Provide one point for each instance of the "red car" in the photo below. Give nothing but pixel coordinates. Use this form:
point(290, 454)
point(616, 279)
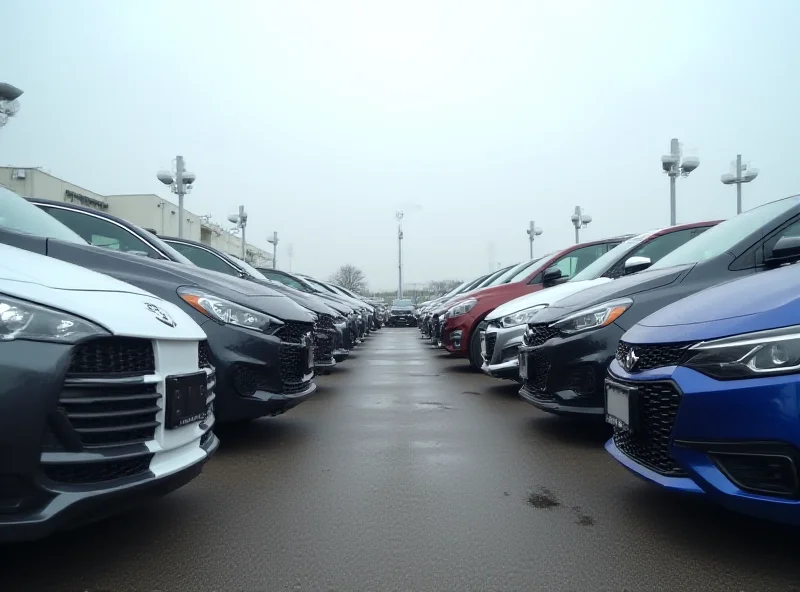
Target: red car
point(459, 332)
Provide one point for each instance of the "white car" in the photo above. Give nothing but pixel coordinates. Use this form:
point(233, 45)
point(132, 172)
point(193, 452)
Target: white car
point(504, 327)
point(105, 400)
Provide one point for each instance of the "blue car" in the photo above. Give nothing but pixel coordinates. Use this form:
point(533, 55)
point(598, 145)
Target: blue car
point(704, 395)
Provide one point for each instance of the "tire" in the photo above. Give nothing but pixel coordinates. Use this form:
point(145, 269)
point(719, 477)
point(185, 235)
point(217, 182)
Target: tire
point(475, 357)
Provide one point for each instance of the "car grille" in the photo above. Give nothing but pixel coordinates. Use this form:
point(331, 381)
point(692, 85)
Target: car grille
point(105, 412)
point(204, 355)
point(649, 443)
point(97, 472)
point(293, 332)
point(651, 356)
point(113, 356)
point(491, 340)
point(539, 334)
point(325, 321)
point(538, 369)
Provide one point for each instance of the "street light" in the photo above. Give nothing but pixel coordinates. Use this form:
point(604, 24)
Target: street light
point(9, 106)
point(674, 164)
point(579, 219)
point(240, 220)
point(741, 173)
point(399, 216)
point(274, 242)
point(179, 182)
point(533, 232)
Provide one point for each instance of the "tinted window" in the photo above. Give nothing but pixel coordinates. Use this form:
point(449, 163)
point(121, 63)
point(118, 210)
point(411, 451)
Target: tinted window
point(579, 259)
point(204, 259)
point(102, 233)
point(20, 215)
point(610, 260)
point(726, 235)
point(286, 280)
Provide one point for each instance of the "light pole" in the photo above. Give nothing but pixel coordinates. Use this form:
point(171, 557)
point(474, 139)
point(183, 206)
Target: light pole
point(240, 220)
point(742, 173)
point(9, 106)
point(274, 242)
point(179, 182)
point(399, 216)
point(674, 164)
point(533, 232)
point(579, 219)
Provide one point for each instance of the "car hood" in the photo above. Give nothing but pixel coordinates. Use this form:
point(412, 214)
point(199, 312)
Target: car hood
point(119, 307)
point(143, 271)
point(619, 288)
point(756, 302)
point(304, 299)
point(547, 297)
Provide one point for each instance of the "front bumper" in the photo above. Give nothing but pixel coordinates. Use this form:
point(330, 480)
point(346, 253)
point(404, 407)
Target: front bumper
point(79, 443)
point(258, 375)
point(565, 374)
point(456, 334)
point(402, 320)
point(501, 351)
point(745, 459)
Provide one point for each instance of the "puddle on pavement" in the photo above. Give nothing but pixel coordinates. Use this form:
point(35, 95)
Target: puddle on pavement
point(396, 362)
point(425, 444)
point(431, 405)
point(543, 499)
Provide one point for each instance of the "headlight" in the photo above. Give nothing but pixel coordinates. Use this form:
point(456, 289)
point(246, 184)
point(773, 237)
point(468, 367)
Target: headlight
point(521, 317)
point(23, 320)
point(225, 311)
point(751, 355)
point(462, 307)
point(594, 317)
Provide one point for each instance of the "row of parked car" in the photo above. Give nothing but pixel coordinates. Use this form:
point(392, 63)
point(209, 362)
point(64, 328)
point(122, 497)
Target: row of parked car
point(120, 350)
point(685, 339)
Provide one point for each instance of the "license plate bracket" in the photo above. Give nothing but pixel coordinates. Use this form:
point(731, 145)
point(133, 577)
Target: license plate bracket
point(622, 406)
point(186, 396)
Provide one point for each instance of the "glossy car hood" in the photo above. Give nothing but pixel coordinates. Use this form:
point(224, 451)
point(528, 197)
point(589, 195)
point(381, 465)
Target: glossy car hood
point(757, 302)
point(118, 307)
point(342, 307)
point(619, 288)
point(546, 297)
point(142, 271)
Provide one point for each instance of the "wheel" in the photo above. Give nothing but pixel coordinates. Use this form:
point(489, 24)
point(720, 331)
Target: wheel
point(475, 356)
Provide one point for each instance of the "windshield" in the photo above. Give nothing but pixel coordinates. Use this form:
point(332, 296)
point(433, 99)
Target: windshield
point(18, 214)
point(494, 278)
point(250, 269)
point(320, 285)
point(523, 270)
point(604, 263)
point(724, 236)
point(402, 303)
point(168, 249)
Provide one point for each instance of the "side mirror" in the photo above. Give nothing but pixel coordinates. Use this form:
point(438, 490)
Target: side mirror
point(635, 264)
point(551, 275)
point(786, 250)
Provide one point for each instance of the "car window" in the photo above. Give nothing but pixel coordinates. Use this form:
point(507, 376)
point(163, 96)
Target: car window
point(19, 215)
point(656, 249)
point(726, 235)
point(285, 280)
point(102, 233)
point(577, 260)
point(523, 270)
point(203, 258)
point(603, 265)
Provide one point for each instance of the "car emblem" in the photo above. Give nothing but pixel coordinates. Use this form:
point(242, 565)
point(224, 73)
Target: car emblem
point(630, 360)
point(160, 314)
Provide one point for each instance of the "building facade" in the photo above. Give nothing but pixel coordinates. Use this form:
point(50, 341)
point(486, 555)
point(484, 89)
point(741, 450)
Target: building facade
point(146, 210)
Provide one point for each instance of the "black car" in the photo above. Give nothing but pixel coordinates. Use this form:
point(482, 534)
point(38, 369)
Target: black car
point(208, 257)
point(401, 313)
point(363, 309)
point(569, 345)
point(349, 327)
point(259, 341)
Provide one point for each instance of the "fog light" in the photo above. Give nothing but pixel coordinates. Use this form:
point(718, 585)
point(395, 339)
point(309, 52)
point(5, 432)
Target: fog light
point(455, 338)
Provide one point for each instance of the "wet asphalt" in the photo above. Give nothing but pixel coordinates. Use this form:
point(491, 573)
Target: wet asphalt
point(407, 471)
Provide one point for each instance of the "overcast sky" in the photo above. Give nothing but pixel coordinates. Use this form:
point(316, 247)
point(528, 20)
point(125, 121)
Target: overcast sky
point(323, 118)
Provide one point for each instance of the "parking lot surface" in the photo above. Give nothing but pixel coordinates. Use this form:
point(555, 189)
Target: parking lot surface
point(407, 471)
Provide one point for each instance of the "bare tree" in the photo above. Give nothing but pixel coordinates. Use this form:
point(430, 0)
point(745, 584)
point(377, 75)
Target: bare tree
point(350, 277)
point(442, 286)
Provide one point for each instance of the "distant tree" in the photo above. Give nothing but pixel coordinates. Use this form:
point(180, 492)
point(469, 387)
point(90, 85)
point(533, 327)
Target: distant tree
point(442, 286)
point(350, 277)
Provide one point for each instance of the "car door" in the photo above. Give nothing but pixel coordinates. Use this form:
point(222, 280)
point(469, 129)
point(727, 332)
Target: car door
point(100, 232)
